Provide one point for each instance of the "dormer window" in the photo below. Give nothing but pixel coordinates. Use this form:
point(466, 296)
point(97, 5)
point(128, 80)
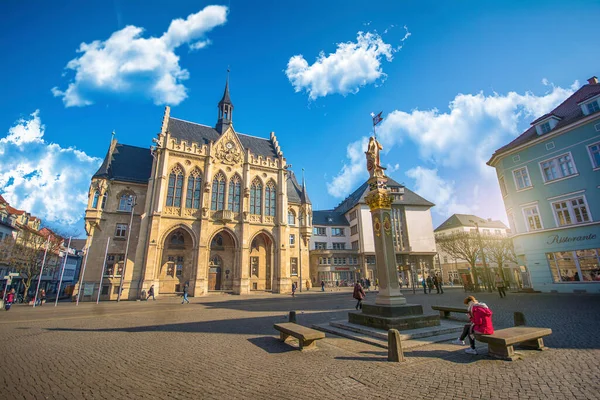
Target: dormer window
point(545, 127)
point(590, 105)
point(593, 107)
point(545, 124)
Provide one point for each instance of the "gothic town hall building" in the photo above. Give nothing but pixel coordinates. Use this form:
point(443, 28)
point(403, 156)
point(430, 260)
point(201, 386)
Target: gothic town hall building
point(205, 206)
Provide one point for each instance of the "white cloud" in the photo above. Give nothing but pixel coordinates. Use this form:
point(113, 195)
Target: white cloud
point(43, 178)
point(352, 66)
point(457, 143)
point(127, 63)
point(432, 187)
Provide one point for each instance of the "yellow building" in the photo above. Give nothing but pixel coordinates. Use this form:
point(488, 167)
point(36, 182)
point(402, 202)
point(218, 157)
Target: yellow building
point(214, 208)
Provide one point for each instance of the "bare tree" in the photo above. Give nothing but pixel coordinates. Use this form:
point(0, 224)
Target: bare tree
point(463, 246)
point(500, 250)
point(28, 253)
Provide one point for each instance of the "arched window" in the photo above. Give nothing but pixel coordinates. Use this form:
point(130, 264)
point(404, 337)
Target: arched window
point(270, 202)
point(177, 239)
point(175, 187)
point(104, 197)
point(125, 202)
point(218, 192)
point(192, 200)
point(291, 217)
point(256, 197)
point(217, 242)
point(235, 188)
point(95, 201)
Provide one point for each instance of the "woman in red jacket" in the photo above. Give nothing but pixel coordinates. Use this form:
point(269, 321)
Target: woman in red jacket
point(481, 323)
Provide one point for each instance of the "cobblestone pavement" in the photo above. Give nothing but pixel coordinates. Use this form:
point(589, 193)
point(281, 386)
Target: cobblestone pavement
point(224, 347)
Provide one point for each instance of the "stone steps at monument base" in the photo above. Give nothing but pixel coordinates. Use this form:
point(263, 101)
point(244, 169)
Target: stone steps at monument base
point(443, 328)
point(377, 341)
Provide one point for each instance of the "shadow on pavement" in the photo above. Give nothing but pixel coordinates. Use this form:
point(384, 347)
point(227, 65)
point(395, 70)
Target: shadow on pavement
point(271, 345)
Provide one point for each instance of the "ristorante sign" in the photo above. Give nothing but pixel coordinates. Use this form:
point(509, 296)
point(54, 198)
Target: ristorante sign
point(556, 239)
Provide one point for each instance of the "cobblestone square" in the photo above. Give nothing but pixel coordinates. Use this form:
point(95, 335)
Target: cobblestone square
point(225, 347)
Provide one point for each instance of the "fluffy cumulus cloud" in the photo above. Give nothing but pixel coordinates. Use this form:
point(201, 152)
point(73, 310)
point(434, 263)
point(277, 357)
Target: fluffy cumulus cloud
point(45, 179)
point(127, 63)
point(352, 66)
point(455, 145)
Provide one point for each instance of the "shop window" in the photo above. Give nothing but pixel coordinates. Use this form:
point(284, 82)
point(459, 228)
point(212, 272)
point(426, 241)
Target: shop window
point(575, 266)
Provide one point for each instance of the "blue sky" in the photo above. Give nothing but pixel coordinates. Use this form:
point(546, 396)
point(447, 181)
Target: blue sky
point(455, 80)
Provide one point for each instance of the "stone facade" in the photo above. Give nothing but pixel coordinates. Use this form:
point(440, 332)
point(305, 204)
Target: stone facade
point(211, 210)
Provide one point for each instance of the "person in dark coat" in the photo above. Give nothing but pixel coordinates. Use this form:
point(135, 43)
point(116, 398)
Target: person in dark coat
point(424, 283)
point(322, 286)
point(358, 294)
point(151, 293)
point(429, 283)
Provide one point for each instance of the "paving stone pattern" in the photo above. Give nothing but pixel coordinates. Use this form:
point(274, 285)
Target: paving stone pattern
point(225, 347)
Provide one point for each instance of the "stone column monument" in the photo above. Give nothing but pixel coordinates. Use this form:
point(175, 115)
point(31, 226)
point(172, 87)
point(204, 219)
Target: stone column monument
point(389, 310)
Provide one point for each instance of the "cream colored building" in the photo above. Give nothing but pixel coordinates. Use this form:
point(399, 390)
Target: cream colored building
point(343, 246)
point(457, 270)
point(214, 208)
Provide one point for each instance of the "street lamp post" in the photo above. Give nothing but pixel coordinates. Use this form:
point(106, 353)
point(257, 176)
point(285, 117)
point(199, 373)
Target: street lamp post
point(485, 266)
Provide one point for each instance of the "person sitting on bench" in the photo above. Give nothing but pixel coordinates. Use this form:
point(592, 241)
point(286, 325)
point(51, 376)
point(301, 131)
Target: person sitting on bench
point(481, 323)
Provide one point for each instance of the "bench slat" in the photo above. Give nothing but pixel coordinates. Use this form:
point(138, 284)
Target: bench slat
point(299, 331)
point(518, 334)
point(450, 309)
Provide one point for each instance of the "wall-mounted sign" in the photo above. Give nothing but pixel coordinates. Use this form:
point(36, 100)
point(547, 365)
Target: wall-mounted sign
point(556, 239)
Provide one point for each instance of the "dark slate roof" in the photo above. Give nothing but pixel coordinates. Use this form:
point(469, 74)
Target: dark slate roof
point(409, 198)
point(295, 191)
point(329, 218)
point(78, 244)
point(568, 111)
point(461, 220)
point(202, 134)
point(127, 164)
point(226, 99)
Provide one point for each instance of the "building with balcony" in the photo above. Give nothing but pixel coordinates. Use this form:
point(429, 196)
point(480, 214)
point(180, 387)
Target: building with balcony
point(207, 206)
point(342, 247)
point(549, 178)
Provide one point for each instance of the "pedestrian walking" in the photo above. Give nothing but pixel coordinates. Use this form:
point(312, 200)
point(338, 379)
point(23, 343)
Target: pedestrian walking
point(424, 283)
point(43, 297)
point(441, 284)
point(481, 323)
point(322, 286)
point(308, 285)
point(500, 286)
point(368, 283)
point(358, 294)
point(151, 293)
point(376, 283)
point(294, 289)
point(429, 283)
point(186, 288)
point(436, 284)
point(10, 299)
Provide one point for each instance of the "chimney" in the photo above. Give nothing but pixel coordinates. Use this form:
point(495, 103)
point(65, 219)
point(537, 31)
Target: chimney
point(593, 80)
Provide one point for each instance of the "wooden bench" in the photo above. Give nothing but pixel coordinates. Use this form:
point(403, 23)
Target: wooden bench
point(500, 344)
point(306, 336)
point(445, 310)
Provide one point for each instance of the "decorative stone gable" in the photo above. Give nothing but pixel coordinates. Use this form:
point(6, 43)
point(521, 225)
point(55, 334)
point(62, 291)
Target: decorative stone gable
point(228, 149)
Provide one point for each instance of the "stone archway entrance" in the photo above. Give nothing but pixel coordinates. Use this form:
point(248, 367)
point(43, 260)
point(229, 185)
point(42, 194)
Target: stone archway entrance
point(261, 263)
point(221, 262)
point(176, 262)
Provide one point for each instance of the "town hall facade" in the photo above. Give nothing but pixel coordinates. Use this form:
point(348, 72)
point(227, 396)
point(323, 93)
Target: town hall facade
point(204, 206)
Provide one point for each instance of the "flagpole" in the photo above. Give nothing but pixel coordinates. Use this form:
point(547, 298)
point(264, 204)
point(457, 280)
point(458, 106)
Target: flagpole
point(41, 271)
point(102, 272)
point(87, 251)
point(62, 272)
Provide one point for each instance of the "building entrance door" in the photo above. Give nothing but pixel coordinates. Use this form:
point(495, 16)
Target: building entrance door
point(214, 278)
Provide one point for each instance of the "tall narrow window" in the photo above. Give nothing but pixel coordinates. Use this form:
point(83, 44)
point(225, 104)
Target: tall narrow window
point(532, 218)
point(125, 203)
point(95, 201)
point(256, 197)
point(192, 199)
point(218, 192)
point(235, 188)
point(104, 197)
point(291, 217)
point(270, 199)
point(594, 150)
point(175, 187)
